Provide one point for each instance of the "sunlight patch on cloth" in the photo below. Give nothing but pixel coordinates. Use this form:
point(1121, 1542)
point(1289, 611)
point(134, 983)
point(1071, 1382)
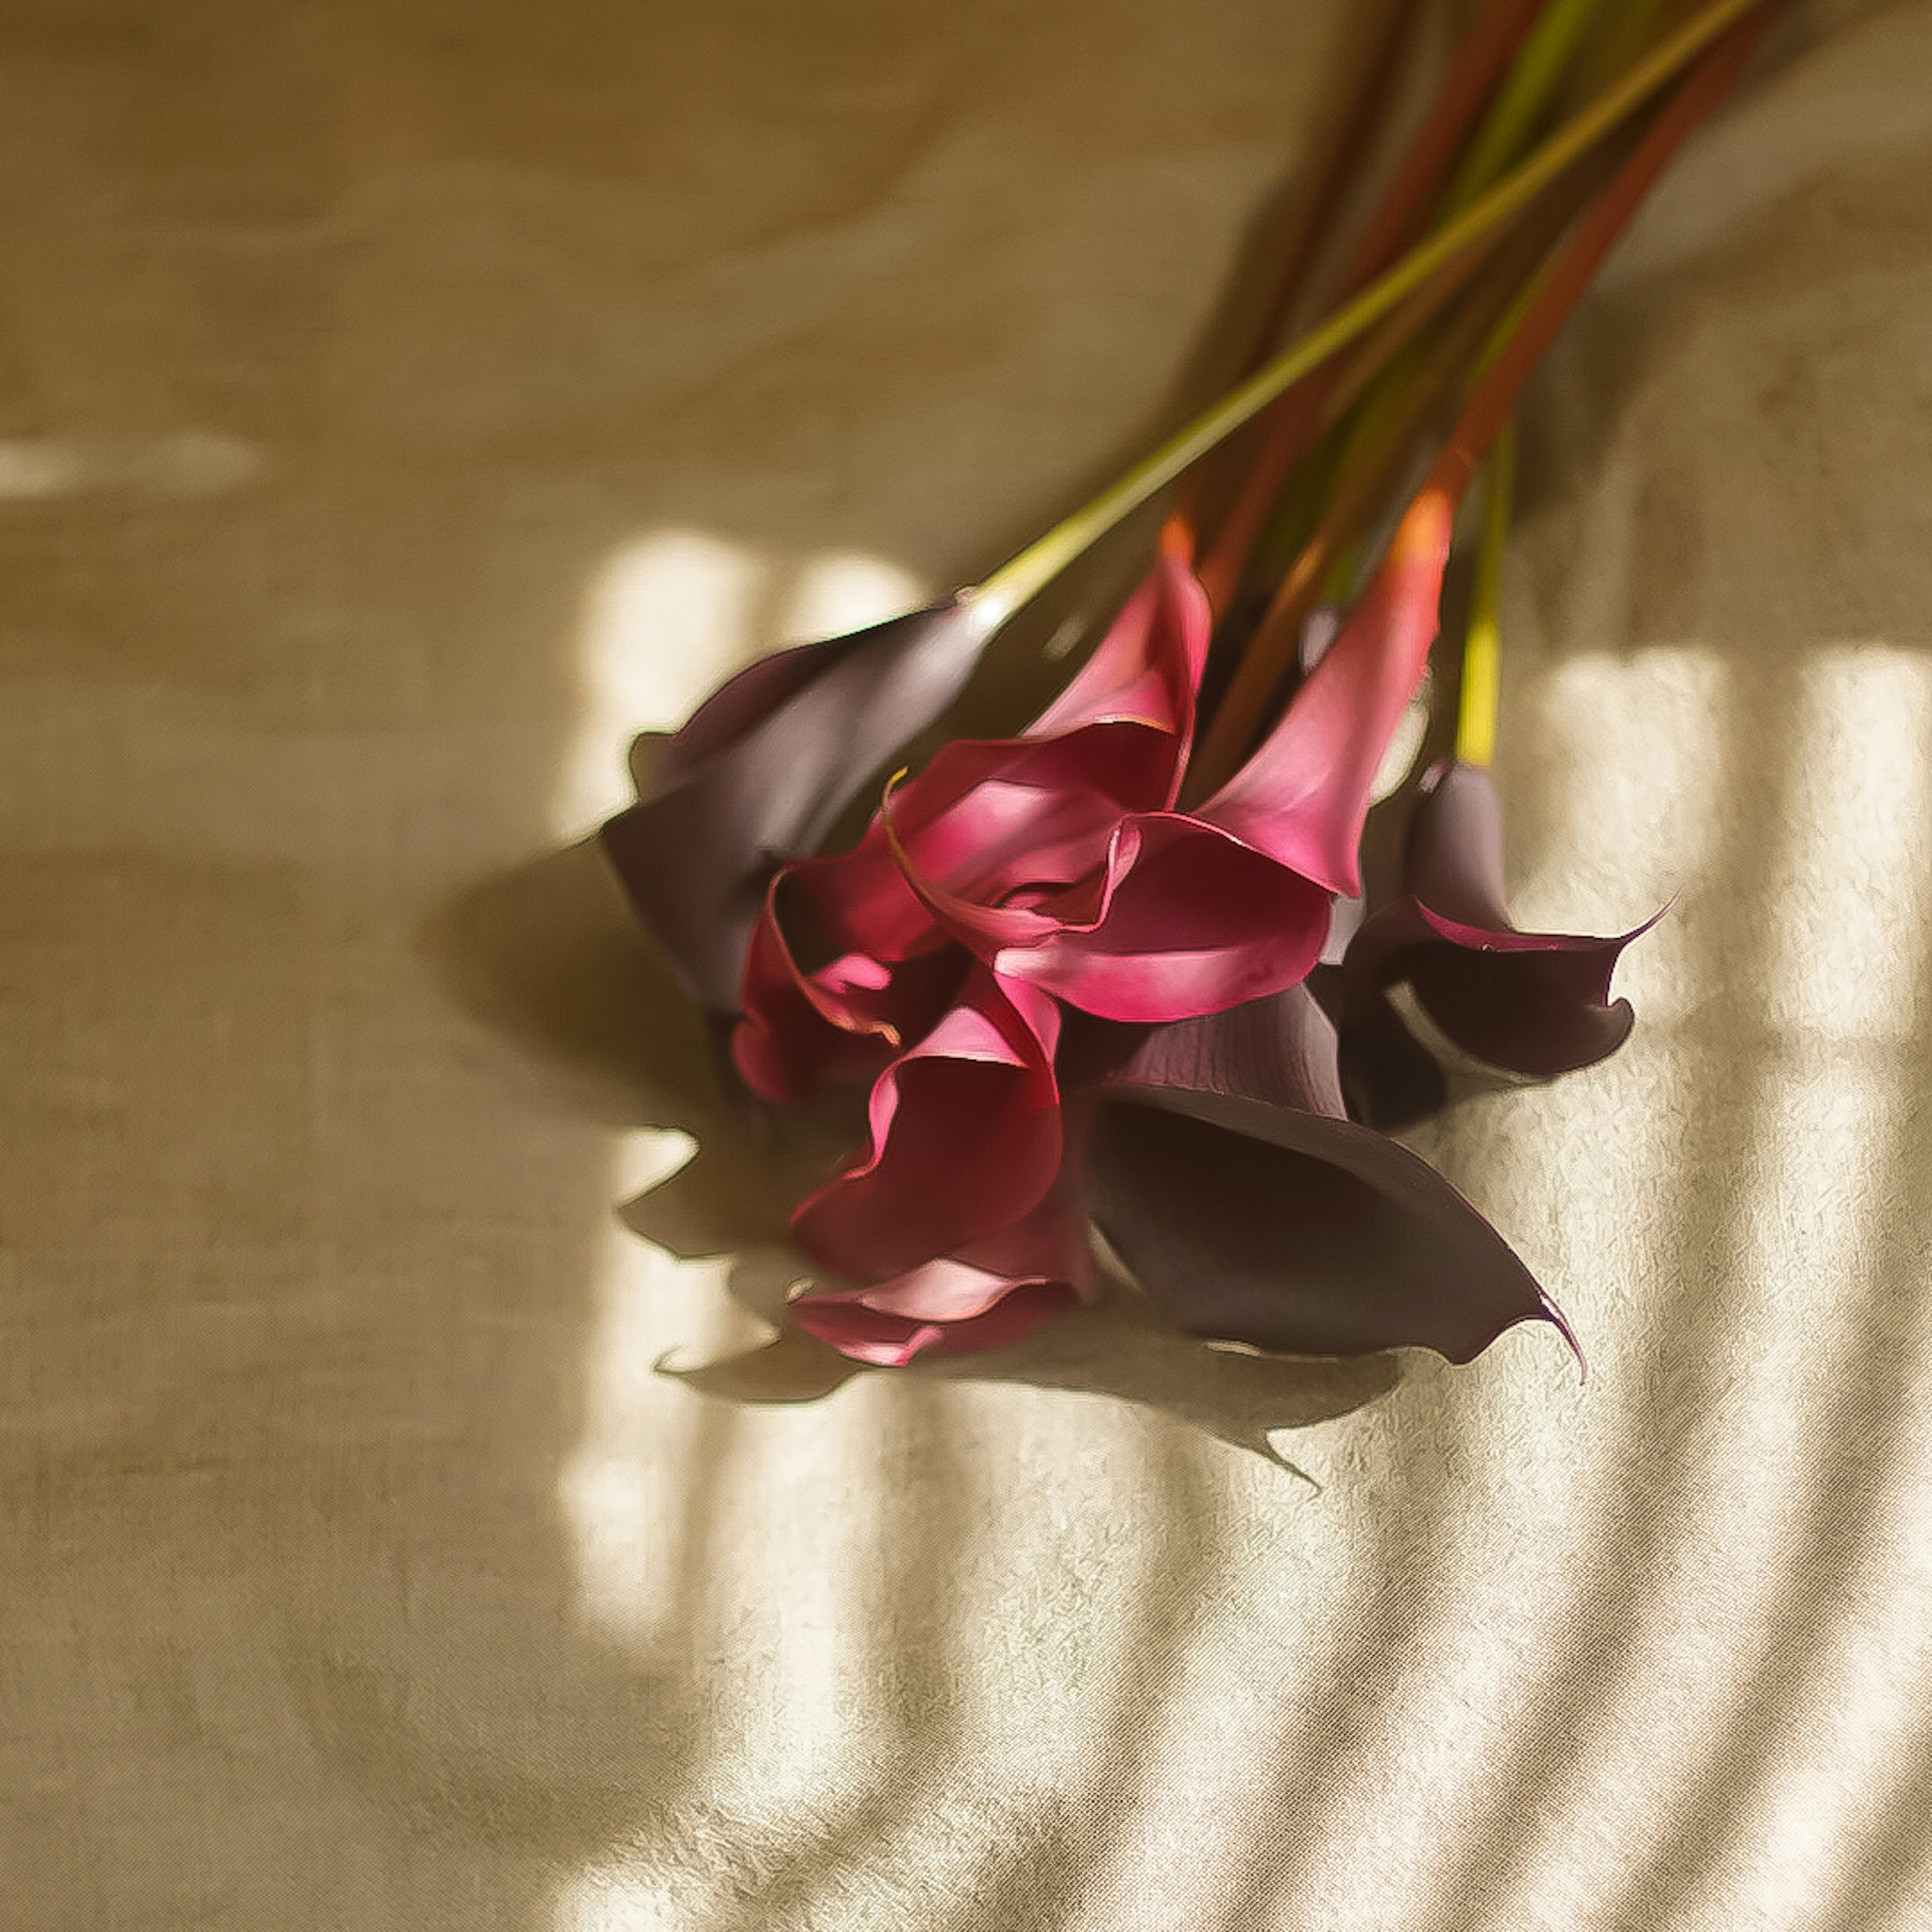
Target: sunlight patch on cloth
point(1705, 1617)
point(1642, 746)
point(1853, 895)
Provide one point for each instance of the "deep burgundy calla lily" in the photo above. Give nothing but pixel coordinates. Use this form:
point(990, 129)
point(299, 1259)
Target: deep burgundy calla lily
point(1536, 1004)
point(763, 769)
point(1223, 1171)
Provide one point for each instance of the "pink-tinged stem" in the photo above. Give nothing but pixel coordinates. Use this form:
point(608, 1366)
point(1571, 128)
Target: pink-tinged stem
point(1489, 408)
point(1343, 142)
point(1371, 472)
point(1298, 417)
point(1480, 62)
point(1240, 715)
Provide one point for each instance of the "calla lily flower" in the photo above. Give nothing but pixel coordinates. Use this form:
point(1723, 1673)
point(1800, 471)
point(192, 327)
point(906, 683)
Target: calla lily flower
point(849, 964)
point(1058, 860)
point(957, 1216)
point(1536, 1004)
point(1176, 914)
point(990, 1292)
point(965, 1139)
point(1224, 1171)
point(761, 771)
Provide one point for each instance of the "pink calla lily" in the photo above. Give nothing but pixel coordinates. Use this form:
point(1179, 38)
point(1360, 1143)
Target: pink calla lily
point(965, 1140)
point(1178, 914)
point(989, 1292)
point(841, 965)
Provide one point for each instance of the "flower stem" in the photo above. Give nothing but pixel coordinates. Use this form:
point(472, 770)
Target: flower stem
point(1239, 716)
point(1024, 576)
point(1476, 701)
point(1558, 289)
point(1338, 152)
point(1539, 68)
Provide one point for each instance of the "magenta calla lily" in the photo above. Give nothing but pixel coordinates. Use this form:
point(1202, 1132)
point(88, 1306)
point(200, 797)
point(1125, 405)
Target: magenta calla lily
point(843, 963)
point(989, 1291)
point(1178, 914)
point(965, 1140)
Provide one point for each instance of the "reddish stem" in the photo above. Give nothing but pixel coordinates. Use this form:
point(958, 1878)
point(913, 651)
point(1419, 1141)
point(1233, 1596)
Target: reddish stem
point(1403, 213)
point(1495, 396)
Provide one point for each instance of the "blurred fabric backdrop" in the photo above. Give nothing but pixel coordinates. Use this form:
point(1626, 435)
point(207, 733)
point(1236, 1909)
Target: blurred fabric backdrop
point(401, 406)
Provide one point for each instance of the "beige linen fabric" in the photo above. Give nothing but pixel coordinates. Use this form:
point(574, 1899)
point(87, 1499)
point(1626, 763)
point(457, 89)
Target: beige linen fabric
point(401, 404)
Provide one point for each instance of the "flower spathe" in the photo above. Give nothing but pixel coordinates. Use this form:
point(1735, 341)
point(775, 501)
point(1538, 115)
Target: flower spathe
point(763, 769)
point(1178, 913)
point(1011, 876)
point(1226, 1174)
point(1532, 1003)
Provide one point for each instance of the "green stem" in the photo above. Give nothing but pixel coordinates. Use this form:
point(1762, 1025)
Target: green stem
point(1476, 702)
point(1017, 581)
point(1532, 80)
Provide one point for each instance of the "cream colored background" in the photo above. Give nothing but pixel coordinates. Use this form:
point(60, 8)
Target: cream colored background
point(401, 404)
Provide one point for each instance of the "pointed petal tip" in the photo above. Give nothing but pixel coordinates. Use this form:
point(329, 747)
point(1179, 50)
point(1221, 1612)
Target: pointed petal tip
point(1557, 1320)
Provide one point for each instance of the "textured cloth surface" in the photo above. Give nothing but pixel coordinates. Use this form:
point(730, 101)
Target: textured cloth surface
point(402, 404)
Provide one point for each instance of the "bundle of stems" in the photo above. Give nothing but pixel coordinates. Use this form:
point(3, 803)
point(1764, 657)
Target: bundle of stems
point(1553, 121)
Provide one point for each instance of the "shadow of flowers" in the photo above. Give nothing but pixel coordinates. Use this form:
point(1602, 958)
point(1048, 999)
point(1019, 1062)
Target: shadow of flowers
point(547, 954)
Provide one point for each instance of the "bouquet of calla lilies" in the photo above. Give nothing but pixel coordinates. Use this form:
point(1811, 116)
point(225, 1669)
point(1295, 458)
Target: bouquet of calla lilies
point(1113, 975)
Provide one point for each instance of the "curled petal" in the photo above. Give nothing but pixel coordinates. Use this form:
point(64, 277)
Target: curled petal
point(1180, 919)
point(1303, 796)
point(1537, 1003)
point(846, 1019)
point(944, 1307)
point(881, 973)
point(965, 1140)
point(1533, 1003)
point(992, 1291)
point(761, 772)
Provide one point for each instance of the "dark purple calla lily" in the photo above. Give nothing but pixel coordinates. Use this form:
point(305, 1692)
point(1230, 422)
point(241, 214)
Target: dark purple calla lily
point(761, 772)
point(1536, 1004)
point(1223, 1171)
